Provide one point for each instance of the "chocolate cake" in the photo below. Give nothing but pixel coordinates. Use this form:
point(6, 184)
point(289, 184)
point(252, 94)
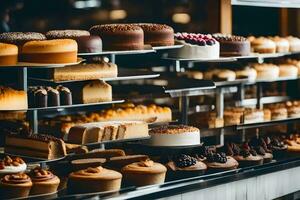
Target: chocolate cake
point(65, 95)
point(232, 45)
point(120, 36)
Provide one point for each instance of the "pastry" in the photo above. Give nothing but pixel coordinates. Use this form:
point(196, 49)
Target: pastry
point(20, 38)
point(118, 162)
point(85, 134)
point(50, 51)
point(65, 95)
point(262, 45)
point(232, 45)
point(192, 74)
point(295, 63)
point(12, 165)
point(53, 97)
point(35, 145)
point(40, 98)
point(8, 54)
point(266, 71)
point(294, 44)
point(15, 186)
point(86, 163)
point(252, 115)
point(267, 114)
point(288, 71)
point(98, 179)
point(293, 109)
point(86, 43)
point(206, 120)
point(278, 111)
point(43, 181)
point(89, 71)
point(244, 155)
point(174, 135)
point(246, 73)
point(185, 166)
point(196, 46)
point(93, 92)
point(11, 99)
point(144, 173)
point(220, 162)
point(233, 116)
point(220, 75)
point(260, 146)
point(282, 44)
point(157, 34)
point(119, 36)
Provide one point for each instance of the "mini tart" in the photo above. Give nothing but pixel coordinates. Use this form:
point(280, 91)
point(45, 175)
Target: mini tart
point(50, 51)
point(144, 173)
point(157, 34)
point(97, 179)
point(15, 186)
point(217, 166)
point(8, 54)
point(12, 166)
point(44, 182)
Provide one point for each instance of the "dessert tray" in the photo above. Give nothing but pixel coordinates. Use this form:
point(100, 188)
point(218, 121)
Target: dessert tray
point(42, 65)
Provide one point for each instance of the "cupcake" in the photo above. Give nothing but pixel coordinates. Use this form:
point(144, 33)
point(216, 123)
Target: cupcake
point(244, 155)
point(15, 186)
point(144, 173)
point(12, 165)
point(217, 162)
point(259, 145)
point(183, 166)
point(44, 182)
point(97, 179)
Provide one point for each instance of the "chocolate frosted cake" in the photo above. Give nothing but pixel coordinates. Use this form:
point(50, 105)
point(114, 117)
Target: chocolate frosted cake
point(65, 95)
point(157, 34)
point(120, 36)
point(53, 97)
point(232, 45)
point(20, 38)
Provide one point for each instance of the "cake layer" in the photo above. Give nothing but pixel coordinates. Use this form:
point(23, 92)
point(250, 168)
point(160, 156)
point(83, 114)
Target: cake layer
point(62, 57)
point(11, 99)
point(50, 46)
point(8, 49)
point(8, 59)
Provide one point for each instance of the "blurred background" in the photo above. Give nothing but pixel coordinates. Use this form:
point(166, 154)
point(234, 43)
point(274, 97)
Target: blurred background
point(205, 16)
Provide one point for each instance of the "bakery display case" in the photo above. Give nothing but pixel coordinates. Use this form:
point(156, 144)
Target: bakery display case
point(216, 114)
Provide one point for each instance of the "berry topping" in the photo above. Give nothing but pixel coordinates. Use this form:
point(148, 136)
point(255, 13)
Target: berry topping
point(217, 157)
point(185, 161)
point(196, 39)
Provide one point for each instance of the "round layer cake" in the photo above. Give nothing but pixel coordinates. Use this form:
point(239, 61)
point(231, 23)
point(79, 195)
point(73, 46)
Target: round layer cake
point(288, 71)
point(120, 36)
point(294, 43)
point(20, 38)
point(175, 135)
point(8, 54)
point(86, 43)
point(232, 45)
point(196, 46)
point(262, 45)
point(282, 44)
point(266, 71)
point(50, 51)
point(157, 34)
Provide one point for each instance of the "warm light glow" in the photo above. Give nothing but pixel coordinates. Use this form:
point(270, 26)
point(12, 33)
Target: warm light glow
point(181, 18)
point(117, 14)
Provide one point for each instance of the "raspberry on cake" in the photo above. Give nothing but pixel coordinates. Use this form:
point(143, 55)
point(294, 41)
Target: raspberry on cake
point(196, 46)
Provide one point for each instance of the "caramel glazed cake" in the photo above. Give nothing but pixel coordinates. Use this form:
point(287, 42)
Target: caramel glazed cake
point(174, 135)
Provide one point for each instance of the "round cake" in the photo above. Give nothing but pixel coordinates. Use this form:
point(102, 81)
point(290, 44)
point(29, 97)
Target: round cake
point(262, 45)
point(253, 115)
point(278, 111)
point(175, 135)
point(97, 179)
point(288, 71)
point(117, 37)
point(266, 71)
point(217, 162)
point(157, 34)
point(12, 165)
point(144, 173)
point(294, 43)
point(246, 73)
point(232, 45)
point(282, 44)
point(8, 54)
point(293, 109)
point(86, 43)
point(20, 38)
point(15, 186)
point(196, 46)
point(44, 181)
point(50, 51)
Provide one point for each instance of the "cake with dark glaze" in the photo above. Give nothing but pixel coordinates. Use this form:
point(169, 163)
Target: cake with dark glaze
point(65, 95)
point(53, 97)
point(232, 45)
point(86, 43)
point(157, 34)
point(120, 36)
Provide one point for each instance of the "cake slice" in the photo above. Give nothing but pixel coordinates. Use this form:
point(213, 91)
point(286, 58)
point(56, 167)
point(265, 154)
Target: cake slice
point(35, 145)
point(84, 134)
point(132, 129)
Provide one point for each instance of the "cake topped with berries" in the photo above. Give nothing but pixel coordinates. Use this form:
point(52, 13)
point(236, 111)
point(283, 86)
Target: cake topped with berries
point(196, 46)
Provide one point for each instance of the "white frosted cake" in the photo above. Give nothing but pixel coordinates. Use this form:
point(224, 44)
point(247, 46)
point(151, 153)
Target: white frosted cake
point(174, 135)
point(196, 46)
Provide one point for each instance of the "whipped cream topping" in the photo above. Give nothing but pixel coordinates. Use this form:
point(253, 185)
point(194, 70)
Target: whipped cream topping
point(12, 165)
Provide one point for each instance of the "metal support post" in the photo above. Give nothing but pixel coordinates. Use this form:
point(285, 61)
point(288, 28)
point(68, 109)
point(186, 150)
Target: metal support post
point(184, 108)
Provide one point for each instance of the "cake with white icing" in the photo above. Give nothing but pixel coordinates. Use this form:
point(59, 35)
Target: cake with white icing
point(12, 165)
point(174, 135)
point(196, 46)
